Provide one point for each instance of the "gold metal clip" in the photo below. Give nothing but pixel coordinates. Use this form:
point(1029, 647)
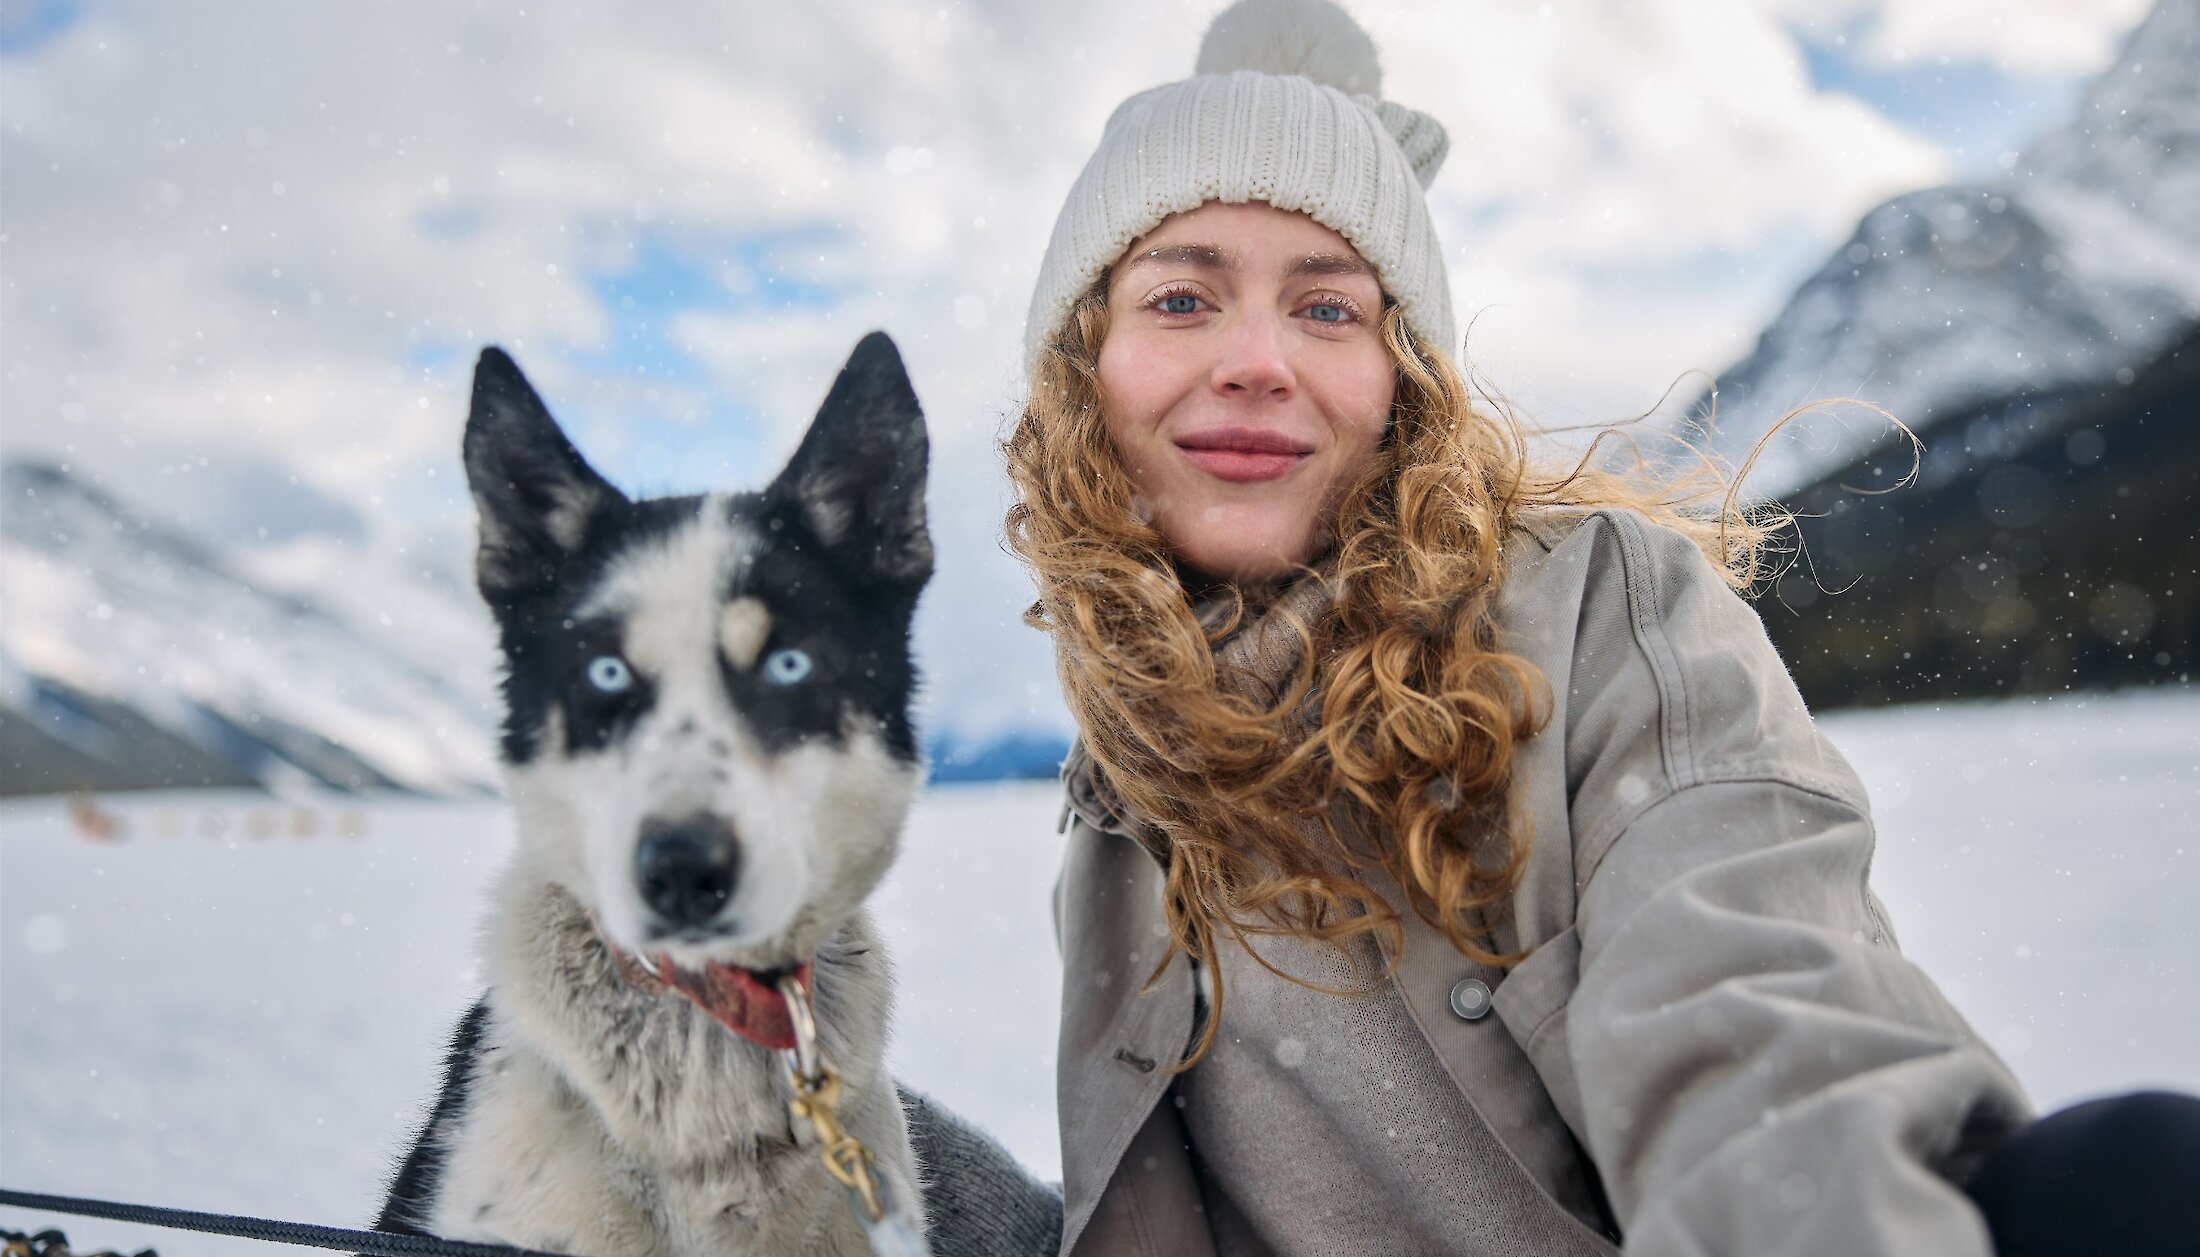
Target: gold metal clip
point(817, 1102)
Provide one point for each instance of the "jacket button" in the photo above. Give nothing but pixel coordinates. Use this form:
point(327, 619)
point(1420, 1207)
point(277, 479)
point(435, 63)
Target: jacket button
point(1143, 1064)
point(1470, 998)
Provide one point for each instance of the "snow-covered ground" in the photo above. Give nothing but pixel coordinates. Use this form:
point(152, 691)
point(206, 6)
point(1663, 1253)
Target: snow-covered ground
point(238, 1004)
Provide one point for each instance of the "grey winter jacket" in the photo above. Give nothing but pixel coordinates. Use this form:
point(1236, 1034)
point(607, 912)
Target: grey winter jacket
point(1714, 1043)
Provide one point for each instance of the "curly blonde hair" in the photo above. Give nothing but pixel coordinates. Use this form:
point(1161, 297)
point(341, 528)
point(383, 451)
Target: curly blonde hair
point(1398, 728)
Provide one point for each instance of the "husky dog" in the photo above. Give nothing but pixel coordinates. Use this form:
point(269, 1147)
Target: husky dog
point(708, 750)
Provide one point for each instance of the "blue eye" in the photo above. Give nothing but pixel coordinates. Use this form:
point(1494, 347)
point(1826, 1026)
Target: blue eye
point(1326, 312)
point(786, 666)
point(610, 675)
point(1180, 303)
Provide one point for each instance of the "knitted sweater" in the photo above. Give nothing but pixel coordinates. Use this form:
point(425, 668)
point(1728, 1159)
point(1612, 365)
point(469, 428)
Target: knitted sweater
point(977, 1201)
point(1323, 1124)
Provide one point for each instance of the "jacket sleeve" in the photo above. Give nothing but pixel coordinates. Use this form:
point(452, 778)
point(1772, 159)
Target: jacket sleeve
point(1761, 1071)
point(978, 1201)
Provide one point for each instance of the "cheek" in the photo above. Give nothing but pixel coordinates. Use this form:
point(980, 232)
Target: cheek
point(1140, 383)
point(1362, 410)
point(1118, 388)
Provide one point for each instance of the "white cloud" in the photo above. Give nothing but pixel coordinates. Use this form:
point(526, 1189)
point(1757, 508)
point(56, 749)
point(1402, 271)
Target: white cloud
point(273, 234)
point(2041, 37)
point(1631, 190)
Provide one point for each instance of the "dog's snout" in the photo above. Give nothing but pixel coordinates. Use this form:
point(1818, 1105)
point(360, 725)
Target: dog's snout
point(687, 869)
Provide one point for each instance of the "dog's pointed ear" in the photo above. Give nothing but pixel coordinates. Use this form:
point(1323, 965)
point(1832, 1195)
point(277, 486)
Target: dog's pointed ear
point(533, 490)
point(857, 479)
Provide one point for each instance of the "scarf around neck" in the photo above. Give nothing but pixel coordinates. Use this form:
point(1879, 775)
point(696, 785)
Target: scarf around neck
point(1256, 661)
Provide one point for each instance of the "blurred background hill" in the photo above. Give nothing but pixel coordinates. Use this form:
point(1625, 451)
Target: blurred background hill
point(2064, 274)
point(134, 655)
point(2040, 331)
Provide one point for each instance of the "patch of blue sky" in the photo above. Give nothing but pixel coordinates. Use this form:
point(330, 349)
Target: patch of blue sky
point(1483, 215)
point(683, 428)
point(449, 222)
point(647, 413)
point(28, 25)
point(1976, 111)
point(436, 357)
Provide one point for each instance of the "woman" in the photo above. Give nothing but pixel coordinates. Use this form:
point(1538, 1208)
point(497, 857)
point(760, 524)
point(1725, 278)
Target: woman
point(1454, 867)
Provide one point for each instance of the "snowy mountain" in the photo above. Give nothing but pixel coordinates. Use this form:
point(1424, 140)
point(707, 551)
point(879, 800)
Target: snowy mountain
point(2073, 270)
point(132, 655)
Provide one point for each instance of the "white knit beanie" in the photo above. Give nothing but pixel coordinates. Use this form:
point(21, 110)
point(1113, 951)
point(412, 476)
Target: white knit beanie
point(1285, 108)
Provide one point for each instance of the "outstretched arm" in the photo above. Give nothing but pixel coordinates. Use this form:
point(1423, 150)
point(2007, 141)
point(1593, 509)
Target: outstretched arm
point(1761, 1071)
point(978, 1201)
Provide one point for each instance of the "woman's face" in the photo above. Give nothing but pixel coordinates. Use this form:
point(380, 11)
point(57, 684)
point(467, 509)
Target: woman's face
point(1245, 381)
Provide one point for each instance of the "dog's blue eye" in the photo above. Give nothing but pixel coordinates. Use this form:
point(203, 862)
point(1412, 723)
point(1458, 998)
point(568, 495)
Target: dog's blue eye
point(610, 674)
point(786, 666)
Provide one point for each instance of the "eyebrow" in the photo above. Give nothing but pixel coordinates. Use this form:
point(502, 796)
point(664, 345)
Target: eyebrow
point(1331, 264)
point(1205, 257)
point(1209, 257)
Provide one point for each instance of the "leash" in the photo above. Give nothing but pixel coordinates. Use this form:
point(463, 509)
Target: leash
point(890, 1227)
point(371, 1243)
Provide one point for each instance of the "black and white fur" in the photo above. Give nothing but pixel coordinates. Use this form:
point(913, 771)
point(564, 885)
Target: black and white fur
point(580, 1114)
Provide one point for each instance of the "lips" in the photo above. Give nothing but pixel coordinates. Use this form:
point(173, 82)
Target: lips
point(1243, 454)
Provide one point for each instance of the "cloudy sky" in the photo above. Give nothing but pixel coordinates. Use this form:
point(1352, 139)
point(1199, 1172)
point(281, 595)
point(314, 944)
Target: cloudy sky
point(249, 250)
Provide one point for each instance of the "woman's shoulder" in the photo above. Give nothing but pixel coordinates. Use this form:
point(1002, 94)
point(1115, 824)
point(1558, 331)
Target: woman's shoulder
point(1572, 553)
point(1653, 651)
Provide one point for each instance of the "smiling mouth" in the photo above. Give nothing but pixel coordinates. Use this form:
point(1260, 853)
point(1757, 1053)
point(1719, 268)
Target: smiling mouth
point(1243, 454)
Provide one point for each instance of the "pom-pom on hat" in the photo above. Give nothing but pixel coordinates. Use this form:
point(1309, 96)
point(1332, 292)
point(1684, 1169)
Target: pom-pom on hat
point(1285, 107)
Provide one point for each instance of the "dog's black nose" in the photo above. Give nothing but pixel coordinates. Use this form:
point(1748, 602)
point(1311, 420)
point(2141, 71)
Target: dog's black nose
point(687, 869)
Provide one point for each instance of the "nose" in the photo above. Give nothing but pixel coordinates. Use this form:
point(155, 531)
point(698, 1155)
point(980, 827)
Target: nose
point(687, 869)
point(1253, 363)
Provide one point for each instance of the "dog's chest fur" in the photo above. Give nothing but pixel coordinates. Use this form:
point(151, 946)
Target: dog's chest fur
point(601, 1120)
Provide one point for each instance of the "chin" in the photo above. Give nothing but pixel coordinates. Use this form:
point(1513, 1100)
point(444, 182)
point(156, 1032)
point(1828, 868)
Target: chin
point(1247, 565)
point(1242, 542)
